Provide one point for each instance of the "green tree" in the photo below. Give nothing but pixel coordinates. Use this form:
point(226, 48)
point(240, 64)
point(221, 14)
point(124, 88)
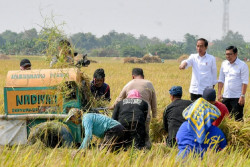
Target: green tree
point(236, 39)
point(104, 52)
point(28, 34)
point(190, 43)
point(85, 41)
point(132, 51)
point(9, 36)
point(2, 41)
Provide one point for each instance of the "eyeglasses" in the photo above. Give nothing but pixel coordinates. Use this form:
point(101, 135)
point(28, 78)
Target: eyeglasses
point(229, 54)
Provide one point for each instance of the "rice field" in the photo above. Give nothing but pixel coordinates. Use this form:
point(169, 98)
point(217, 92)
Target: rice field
point(163, 76)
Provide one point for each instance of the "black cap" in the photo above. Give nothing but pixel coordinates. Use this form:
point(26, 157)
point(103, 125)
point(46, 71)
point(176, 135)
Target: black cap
point(25, 62)
point(209, 94)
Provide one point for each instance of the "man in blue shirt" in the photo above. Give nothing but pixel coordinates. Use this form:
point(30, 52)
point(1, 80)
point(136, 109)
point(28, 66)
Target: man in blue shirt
point(99, 125)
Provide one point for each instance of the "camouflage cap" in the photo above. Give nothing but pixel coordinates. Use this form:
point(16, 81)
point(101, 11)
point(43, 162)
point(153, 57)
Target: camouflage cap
point(176, 91)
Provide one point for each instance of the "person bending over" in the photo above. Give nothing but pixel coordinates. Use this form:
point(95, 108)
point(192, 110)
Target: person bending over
point(99, 125)
point(132, 112)
point(197, 133)
point(147, 92)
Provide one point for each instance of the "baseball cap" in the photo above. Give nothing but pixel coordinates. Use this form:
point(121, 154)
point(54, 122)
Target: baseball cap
point(25, 62)
point(176, 91)
point(209, 94)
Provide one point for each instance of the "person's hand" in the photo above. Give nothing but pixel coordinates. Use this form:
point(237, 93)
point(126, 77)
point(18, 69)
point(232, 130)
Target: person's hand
point(110, 108)
point(220, 98)
point(241, 101)
point(183, 66)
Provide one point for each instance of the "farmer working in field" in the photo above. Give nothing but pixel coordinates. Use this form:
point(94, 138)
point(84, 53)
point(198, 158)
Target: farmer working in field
point(209, 94)
point(204, 71)
point(99, 125)
point(132, 112)
point(25, 64)
point(147, 93)
point(65, 56)
point(172, 116)
point(99, 88)
point(197, 133)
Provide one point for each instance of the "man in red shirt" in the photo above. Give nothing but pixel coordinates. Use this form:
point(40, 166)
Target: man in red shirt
point(209, 94)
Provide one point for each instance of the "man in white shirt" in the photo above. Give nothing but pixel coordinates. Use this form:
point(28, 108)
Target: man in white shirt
point(204, 70)
point(234, 74)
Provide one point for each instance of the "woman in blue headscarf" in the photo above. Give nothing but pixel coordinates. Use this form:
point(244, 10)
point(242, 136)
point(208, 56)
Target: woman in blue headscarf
point(197, 133)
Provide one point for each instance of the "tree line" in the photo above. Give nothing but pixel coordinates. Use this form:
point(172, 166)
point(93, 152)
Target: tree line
point(116, 44)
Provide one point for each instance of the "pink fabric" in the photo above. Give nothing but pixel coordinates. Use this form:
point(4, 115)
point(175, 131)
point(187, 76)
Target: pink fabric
point(133, 94)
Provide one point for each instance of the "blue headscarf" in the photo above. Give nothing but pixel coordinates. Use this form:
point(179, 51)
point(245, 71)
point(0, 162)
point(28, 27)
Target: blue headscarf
point(200, 116)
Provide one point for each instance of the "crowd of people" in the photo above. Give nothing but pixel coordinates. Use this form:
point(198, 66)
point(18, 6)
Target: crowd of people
point(192, 125)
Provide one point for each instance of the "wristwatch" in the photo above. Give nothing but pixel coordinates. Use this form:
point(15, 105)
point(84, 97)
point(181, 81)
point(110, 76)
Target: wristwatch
point(242, 96)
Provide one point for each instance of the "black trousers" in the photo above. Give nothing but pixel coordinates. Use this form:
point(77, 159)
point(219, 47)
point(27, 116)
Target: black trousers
point(135, 132)
point(170, 142)
point(234, 108)
point(194, 96)
point(114, 137)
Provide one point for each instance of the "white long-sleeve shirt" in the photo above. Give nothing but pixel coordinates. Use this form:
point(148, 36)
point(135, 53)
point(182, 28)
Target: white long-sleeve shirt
point(204, 72)
point(233, 76)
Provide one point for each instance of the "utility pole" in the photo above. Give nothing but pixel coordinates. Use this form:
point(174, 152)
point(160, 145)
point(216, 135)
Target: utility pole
point(225, 25)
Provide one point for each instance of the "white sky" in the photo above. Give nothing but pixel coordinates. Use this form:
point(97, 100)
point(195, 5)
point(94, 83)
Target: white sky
point(160, 18)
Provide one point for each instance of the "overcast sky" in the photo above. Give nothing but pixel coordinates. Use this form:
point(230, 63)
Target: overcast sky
point(154, 18)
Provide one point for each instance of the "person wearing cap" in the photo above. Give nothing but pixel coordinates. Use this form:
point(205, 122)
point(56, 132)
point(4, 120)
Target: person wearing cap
point(99, 88)
point(65, 56)
point(172, 116)
point(234, 77)
point(147, 92)
point(197, 134)
point(132, 112)
point(204, 70)
point(209, 94)
point(25, 64)
point(99, 125)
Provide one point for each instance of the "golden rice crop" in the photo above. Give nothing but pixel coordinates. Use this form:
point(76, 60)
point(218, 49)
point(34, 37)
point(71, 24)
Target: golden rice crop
point(237, 133)
point(163, 76)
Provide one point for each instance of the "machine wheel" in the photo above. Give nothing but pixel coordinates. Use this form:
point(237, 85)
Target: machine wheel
point(52, 134)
